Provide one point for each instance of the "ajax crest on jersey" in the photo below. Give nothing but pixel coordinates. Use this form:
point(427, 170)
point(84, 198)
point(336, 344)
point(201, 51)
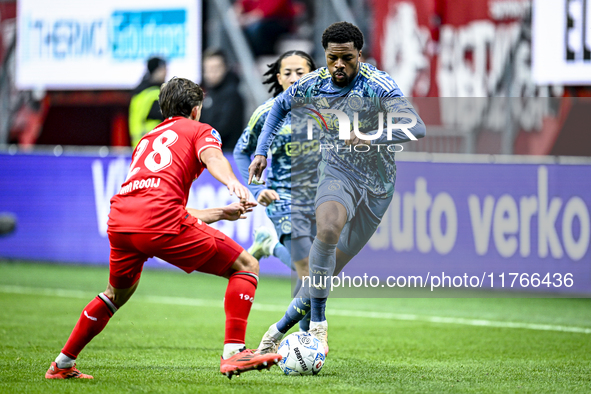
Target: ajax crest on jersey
point(285, 224)
point(216, 135)
point(334, 185)
point(355, 103)
point(302, 354)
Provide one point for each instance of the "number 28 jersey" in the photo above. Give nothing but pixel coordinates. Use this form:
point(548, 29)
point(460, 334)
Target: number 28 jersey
point(164, 165)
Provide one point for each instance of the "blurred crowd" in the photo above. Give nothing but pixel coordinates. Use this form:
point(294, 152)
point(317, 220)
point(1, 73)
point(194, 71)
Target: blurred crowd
point(432, 48)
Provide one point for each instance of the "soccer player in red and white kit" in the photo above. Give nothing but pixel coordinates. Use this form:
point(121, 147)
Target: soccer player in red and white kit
point(148, 218)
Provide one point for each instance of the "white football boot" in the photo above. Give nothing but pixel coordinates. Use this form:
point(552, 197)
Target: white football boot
point(270, 341)
point(264, 243)
point(320, 331)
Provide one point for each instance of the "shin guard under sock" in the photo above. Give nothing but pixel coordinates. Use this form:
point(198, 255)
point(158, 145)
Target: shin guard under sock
point(237, 303)
point(297, 310)
point(322, 265)
point(93, 319)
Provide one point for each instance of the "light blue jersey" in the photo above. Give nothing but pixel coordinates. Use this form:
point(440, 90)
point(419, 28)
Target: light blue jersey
point(374, 170)
point(279, 177)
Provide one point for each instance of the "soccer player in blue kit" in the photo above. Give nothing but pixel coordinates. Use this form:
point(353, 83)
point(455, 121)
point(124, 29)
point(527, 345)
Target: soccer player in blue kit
point(293, 227)
point(354, 190)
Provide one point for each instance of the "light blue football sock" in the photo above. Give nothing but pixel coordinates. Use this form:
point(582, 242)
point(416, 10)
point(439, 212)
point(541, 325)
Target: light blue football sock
point(305, 323)
point(283, 251)
point(322, 265)
point(298, 308)
point(318, 305)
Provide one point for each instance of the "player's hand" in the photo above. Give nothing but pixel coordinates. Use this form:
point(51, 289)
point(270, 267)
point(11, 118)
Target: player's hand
point(267, 196)
point(237, 210)
point(255, 170)
point(237, 188)
point(354, 140)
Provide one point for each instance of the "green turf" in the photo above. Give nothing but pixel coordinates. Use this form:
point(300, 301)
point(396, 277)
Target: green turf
point(168, 338)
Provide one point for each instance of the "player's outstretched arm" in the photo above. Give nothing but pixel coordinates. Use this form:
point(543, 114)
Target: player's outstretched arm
point(234, 211)
point(256, 168)
point(221, 170)
point(242, 159)
point(267, 196)
point(279, 110)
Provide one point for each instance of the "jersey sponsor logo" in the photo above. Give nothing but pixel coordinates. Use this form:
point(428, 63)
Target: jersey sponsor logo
point(217, 135)
point(207, 139)
point(296, 148)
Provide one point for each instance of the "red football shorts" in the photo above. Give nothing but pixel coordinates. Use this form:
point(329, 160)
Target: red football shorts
point(198, 247)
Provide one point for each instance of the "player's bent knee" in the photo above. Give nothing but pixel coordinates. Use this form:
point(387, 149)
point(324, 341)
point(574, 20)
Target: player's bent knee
point(120, 296)
point(245, 262)
point(329, 233)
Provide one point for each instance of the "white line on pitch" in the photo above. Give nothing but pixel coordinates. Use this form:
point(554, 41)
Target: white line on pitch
point(281, 308)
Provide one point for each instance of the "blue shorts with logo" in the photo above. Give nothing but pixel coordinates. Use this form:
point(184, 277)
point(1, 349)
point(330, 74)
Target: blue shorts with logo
point(364, 211)
point(299, 224)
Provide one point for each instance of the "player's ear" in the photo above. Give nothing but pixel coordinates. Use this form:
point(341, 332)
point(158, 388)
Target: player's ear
point(359, 55)
point(196, 112)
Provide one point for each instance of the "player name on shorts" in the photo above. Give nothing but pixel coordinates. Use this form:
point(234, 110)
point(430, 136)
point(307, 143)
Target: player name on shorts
point(143, 184)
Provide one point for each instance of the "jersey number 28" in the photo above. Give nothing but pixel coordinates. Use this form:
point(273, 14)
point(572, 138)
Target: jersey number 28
point(159, 148)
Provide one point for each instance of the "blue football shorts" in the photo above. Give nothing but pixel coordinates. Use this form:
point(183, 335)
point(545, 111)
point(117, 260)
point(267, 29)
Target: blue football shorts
point(364, 211)
point(299, 224)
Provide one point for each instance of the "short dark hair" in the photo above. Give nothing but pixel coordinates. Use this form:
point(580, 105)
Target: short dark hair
point(179, 96)
point(342, 33)
point(215, 52)
point(275, 68)
point(154, 63)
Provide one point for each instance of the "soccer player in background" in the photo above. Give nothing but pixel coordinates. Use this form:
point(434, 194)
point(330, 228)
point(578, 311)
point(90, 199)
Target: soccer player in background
point(149, 218)
point(353, 194)
point(293, 228)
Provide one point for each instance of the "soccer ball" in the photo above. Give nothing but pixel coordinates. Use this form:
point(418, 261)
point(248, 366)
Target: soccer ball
point(302, 354)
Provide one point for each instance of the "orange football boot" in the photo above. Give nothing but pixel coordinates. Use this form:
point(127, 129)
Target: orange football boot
point(247, 360)
point(65, 373)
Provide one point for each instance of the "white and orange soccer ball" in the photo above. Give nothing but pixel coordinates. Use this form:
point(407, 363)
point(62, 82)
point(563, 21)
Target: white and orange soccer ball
point(302, 354)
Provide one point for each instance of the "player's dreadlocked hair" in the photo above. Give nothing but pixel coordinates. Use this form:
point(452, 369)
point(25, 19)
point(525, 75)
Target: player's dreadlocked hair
point(342, 33)
point(275, 68)
point(178, 97)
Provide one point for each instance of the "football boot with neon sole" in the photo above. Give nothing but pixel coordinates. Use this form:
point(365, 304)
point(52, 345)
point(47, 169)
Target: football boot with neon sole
point(65, 373)
point(263, 244)
point(247, 360)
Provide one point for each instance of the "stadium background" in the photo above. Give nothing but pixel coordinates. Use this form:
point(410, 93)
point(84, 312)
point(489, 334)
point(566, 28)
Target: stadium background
point(503, 86)
point(472, 68)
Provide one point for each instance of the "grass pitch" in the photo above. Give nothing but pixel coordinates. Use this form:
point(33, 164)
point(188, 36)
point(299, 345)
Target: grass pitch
point(168, 339)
